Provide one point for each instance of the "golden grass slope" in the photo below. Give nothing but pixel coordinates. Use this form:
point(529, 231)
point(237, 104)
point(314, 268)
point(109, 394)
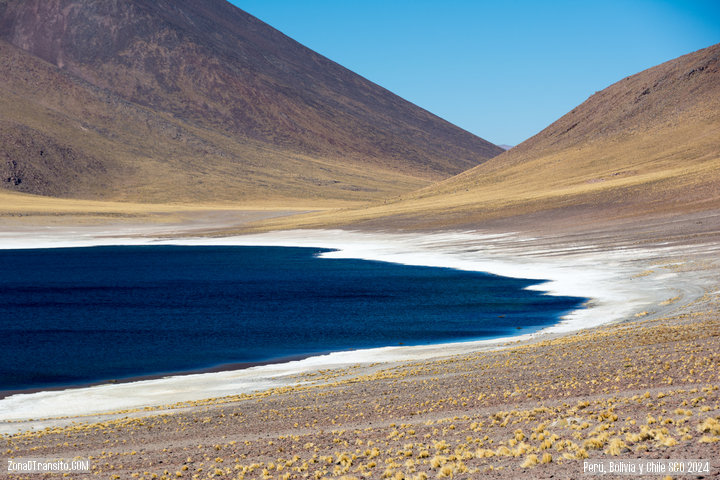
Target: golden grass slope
point(648, 144)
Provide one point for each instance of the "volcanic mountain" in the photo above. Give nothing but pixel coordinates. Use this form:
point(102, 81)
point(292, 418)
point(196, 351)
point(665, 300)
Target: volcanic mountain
point(185, 101)
point(647, 146)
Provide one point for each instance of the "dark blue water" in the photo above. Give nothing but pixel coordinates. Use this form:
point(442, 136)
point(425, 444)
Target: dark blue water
point(78, 315)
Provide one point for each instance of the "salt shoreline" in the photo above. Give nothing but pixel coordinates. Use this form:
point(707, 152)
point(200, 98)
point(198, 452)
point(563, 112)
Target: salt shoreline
point(613, 279)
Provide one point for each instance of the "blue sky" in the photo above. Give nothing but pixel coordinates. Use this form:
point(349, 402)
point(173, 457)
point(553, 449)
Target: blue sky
point(502, 70)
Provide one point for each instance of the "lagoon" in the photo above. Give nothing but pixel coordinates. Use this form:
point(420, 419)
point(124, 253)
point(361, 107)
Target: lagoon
point(72, 316)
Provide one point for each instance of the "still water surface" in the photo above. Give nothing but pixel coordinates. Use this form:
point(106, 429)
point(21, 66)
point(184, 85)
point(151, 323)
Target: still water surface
point(70, 316)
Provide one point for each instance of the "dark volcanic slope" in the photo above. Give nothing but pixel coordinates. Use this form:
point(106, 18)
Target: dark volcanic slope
point(179, 99)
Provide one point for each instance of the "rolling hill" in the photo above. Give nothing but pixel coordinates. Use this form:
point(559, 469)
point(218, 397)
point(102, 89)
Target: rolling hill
point(183, 101)
point(649, 145)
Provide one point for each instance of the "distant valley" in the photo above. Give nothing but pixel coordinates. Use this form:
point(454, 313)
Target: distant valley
point(647, 146)
point(155, 106)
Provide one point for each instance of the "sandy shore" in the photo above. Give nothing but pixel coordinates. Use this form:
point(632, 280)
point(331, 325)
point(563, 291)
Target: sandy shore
point(651, 307)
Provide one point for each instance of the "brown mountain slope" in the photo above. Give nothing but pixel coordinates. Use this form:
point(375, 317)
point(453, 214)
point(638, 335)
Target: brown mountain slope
point(177, 100)
point(647, 145)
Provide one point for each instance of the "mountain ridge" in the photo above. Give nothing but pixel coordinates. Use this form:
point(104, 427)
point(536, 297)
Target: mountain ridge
point(264, 103)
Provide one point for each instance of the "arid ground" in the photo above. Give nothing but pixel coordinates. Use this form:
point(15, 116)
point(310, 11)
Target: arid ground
point(645, 387)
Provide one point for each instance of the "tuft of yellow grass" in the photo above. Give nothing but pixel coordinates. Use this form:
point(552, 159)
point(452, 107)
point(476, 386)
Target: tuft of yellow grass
point(615, 447)
point(530, 461)
point(709, 425)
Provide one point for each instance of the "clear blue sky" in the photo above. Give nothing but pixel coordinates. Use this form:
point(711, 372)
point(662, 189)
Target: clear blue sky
point(502, 70)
